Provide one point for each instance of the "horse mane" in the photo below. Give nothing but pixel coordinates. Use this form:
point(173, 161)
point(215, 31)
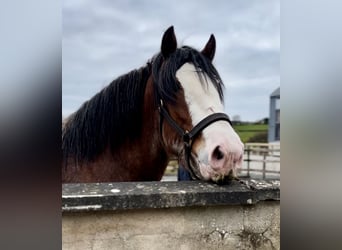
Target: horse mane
point(108, 118)
point(114, 115)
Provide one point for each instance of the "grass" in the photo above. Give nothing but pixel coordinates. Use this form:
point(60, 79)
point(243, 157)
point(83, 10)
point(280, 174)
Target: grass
point(251, 127)
point(248, 131)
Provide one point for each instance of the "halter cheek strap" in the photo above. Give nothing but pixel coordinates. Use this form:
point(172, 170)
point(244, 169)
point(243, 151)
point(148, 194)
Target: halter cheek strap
point(188, 136)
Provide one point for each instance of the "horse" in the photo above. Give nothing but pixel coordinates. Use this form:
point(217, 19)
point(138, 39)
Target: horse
point(172, 107)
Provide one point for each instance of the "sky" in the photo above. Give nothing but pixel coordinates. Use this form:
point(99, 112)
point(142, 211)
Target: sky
point(105, 39)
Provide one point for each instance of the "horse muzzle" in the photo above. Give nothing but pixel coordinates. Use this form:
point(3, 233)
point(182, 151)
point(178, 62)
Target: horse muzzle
point(218, 161)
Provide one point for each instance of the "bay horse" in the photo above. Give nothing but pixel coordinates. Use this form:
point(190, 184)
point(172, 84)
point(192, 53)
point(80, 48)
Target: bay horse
point(170, 107)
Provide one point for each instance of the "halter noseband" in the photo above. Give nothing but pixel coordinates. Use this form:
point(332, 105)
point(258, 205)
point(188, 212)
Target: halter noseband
point(188, 136)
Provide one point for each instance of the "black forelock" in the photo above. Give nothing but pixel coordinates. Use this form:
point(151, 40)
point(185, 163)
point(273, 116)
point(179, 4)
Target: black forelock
point(164, 72)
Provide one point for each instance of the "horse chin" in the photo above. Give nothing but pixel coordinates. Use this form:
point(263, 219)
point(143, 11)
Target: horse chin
point(224, 179)
point(206, 173)
point(209, 174)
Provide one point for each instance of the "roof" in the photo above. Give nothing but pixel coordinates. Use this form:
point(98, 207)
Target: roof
point(276, 93)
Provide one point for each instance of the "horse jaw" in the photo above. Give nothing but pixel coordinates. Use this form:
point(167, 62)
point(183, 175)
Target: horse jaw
point(203, 100)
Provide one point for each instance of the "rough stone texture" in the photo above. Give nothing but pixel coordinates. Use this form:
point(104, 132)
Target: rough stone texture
point(133, 195)
point(171, 215)
point(215, 227)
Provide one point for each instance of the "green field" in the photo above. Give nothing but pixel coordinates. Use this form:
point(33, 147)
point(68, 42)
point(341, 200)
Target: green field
point(248, 131)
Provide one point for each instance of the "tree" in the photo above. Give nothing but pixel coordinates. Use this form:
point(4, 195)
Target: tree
point(236, 118)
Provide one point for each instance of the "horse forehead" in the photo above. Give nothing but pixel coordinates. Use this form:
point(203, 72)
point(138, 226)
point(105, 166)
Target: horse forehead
point(193, 89)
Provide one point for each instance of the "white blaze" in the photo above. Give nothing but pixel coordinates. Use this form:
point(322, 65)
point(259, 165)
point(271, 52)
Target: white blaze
point(203, 100)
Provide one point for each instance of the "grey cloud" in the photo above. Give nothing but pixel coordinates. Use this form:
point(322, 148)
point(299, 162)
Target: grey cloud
point(104, 39)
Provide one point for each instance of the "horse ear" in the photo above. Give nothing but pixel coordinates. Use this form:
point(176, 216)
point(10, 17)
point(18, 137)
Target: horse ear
point(169, 42)
point(210, 48)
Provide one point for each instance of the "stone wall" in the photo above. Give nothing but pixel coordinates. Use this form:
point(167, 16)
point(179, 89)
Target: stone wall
point(210, 224)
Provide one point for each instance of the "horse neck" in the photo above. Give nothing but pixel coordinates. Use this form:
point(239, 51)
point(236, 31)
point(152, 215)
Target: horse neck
point(150, 157)
point(151, 122)
point(145, 159)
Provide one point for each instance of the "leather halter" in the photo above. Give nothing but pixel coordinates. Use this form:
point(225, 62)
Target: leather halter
point(189, 136)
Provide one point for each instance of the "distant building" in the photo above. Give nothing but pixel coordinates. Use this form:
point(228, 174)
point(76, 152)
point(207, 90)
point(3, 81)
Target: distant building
point(274, 120)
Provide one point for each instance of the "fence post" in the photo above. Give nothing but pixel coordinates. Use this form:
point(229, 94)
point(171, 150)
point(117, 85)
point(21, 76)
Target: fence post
point(264, 165)
point(248, 160)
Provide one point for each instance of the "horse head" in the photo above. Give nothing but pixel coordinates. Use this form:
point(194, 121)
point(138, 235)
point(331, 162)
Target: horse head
point(189, 97)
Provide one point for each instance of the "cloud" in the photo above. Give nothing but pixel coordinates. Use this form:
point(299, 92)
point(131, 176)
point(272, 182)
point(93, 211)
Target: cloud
point(104, 39)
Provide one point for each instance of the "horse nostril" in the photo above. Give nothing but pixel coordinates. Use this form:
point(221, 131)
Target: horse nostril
point(218, 154)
